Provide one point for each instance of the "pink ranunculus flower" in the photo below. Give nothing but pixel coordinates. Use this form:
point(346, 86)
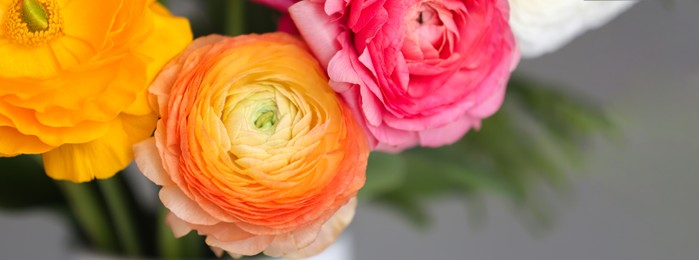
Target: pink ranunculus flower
point(415, 72)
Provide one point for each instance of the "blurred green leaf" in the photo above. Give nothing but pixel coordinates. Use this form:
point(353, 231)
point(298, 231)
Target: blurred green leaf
point(23, 184)
point(520, 153)
point(385, 172)
point(406, 203)
point(190, 246)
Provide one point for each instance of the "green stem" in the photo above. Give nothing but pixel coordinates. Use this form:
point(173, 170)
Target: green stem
point(120, 212)
point(89, 214)
point(235, 17)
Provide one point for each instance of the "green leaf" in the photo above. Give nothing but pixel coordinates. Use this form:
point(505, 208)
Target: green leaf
point(384, 173)
point(115, 197)
point(405, 202)
point(519, 154)
point(189, 246)
point(23, 184)
point(90, 214)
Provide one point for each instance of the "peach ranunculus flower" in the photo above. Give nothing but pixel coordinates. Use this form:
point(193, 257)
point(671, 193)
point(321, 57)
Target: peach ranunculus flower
point(73, 80)
point(253, 149)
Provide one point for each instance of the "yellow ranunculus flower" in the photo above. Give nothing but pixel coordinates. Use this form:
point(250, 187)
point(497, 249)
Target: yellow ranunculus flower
point(73, 79)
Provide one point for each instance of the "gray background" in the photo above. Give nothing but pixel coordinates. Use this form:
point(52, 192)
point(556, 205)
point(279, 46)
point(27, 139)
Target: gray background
point(633, 200)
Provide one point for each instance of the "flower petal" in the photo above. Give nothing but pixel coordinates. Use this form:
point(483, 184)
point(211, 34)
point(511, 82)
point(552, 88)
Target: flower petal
point(329, 232)
point(183, 207)
point(178, 226)
point(319, 30)
point(250, 246)
point(149, 162)
point(101, 158)
point(170, 36)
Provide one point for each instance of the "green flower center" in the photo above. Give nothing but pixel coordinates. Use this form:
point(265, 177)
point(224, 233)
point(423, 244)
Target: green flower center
point(265, 119)
point(32, 22)
point(34, 16)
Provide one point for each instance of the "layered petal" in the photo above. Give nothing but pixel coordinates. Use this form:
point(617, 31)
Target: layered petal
point(253, 149)
point(76, 91)
point(416, 72)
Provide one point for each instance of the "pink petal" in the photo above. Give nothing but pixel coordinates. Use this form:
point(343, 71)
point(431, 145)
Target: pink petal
point(393, 137)
point(372, 107)
point(287, 25)
point(340, 69)
point(447, 134)
point(317, 28)
point(490, 105)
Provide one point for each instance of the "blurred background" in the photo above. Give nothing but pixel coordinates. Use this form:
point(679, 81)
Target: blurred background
point(634, 198)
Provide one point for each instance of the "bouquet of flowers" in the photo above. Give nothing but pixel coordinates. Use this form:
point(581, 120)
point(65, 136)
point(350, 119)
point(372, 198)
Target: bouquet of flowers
point(264, 123)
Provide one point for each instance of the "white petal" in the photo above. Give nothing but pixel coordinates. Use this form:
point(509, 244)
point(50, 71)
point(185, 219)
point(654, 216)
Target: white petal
point(543, 26)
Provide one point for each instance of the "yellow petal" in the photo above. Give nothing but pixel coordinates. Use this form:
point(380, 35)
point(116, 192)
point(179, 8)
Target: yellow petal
point(170, 36)
point(90, 20)
point(14, 143)
point(21, 61)
point(101, 158)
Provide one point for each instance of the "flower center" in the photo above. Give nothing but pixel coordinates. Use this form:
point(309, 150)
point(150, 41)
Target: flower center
point(427, 16)
point(33, 22)
point(265, 119)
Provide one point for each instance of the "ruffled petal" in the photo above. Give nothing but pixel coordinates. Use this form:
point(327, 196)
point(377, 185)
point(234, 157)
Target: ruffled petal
point(101, 158)
point(319, 30)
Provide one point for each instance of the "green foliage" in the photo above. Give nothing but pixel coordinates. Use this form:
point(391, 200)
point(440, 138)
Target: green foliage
point(233, 17)
point(519, 153)
point(24, 185)
point(385, 173)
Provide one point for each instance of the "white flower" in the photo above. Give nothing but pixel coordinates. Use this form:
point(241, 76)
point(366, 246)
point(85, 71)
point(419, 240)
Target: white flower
point(543, 26)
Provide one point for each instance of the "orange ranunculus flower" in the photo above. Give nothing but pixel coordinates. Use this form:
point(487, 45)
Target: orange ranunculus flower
point(73, 80)
point(253, 149)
